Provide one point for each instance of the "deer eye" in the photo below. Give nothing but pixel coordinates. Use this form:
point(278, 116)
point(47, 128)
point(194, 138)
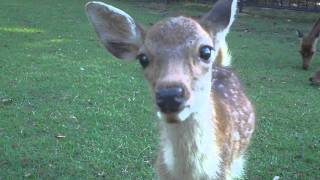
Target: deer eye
point(143, 59)
point(205, 52)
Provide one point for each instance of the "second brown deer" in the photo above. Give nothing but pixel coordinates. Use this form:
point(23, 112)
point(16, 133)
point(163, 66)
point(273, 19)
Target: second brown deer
point(206, 120)
point(308, 44)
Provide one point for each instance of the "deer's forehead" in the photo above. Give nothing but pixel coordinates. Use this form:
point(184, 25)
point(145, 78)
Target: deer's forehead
point(176, 32)
point(306, 47)
point(307, 40)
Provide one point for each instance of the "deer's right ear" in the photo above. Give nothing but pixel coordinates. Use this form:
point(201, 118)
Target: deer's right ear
point(300, 34)
point(116, 30)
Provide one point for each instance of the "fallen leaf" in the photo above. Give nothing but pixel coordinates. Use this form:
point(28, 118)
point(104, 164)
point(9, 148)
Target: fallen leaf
point(6, 101)
point(276, 178)
point(101, 173)
point(27, 174)
point(59, 136)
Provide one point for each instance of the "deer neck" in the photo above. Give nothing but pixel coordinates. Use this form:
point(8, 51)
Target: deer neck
point(189, 148)
point(315, 29)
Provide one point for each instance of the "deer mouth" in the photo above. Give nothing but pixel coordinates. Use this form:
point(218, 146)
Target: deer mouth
point(305, 67)
point(314, 83)
point(170, 106)
point(178, 116)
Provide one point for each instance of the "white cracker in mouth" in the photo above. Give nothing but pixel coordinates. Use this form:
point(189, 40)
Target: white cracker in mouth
point(181, 116)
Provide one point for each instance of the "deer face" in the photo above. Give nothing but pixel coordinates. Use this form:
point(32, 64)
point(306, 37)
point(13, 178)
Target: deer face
point(176, 54)
point(176, 57)
point(307, 48)
point(306, 53)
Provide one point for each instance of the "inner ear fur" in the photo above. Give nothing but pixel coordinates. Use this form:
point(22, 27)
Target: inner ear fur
point(220, 17)
point(116, 30)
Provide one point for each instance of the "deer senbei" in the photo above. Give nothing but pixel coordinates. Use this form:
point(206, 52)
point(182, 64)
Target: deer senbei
point(205, 118)
point(308, 44)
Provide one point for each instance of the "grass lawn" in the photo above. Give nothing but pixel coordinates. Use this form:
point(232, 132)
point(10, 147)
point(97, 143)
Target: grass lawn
point(69, 110)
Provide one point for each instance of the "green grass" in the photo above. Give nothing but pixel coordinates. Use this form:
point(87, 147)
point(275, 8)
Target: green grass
point(69, 110)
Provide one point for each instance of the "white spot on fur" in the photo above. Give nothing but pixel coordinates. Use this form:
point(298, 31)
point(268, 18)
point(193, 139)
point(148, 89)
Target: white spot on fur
point(251, 119)
point(248, 132)
point(236, 135)
point(220, 86)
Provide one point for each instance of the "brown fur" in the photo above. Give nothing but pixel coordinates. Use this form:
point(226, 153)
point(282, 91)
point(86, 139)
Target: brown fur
point(308, 45)
point(235, 115)
point(219, 58)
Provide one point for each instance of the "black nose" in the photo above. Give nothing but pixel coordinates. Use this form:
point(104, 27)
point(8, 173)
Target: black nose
point(311, 79)
point(170, 99)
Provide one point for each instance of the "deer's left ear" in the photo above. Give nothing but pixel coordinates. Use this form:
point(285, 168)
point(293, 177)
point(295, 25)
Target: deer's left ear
point(116, 30)
point(220, 18)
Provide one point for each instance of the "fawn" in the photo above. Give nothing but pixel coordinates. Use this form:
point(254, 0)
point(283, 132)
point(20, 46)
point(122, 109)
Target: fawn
point(315, 78)
point(308, 44)
point(206, 120)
